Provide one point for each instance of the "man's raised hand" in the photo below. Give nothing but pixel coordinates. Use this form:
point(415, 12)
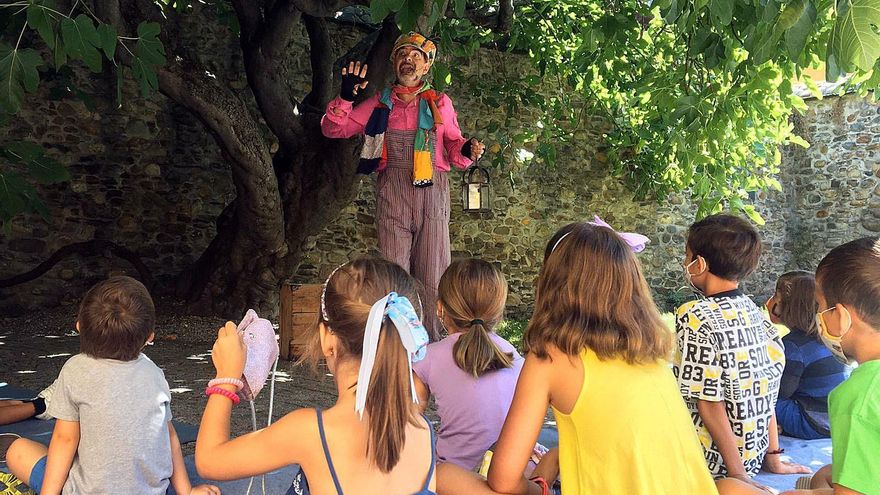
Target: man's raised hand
point(354, 79)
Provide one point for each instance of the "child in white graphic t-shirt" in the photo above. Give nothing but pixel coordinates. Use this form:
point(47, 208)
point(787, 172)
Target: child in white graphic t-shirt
point(730, 357)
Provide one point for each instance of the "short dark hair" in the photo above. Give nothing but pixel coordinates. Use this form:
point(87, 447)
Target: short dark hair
point(115, 318)
point(729, 244)
point(850, 274)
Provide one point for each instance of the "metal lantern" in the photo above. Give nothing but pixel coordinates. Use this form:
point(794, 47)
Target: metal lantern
point(475, 192)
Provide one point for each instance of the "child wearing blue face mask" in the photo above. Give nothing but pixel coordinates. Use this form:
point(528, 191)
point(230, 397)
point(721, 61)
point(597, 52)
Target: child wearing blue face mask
point(730, 357)
point(848, 295)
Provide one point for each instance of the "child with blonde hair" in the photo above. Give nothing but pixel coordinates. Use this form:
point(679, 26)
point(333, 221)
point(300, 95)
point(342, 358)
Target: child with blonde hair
point(471, 373)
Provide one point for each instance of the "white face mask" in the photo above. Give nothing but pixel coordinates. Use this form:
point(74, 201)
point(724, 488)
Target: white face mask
point(688, 280)
point(832, 342)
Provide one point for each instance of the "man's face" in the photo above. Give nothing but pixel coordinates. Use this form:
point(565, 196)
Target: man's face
point(410, 65)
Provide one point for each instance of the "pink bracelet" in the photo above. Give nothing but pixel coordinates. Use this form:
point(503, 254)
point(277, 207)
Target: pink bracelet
point(227, 381)
point(225, 393)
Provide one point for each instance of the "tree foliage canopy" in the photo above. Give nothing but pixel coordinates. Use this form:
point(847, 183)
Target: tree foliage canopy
point(697, 92)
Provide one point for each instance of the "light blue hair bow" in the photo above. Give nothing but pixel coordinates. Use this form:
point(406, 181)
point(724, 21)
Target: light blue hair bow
point(412, 334)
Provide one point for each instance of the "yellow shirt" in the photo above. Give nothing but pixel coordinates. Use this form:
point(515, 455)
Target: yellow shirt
point(630, 434)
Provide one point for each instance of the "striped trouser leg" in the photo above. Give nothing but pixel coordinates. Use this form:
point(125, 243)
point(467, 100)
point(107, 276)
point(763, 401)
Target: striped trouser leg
point(430, 254)
point(394, 214)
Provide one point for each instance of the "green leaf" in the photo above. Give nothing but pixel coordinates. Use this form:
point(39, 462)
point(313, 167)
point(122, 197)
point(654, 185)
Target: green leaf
point(795, 139)
point(148, 29)
point(43, 168)
point(379, 10)
point(38, 19)
point(12, 202)
point(18, 73)
point(81, 41)
point(791, 13)
point(722, 10)
point(854, 41)
point(145, 75)
point(149, 48)
point(107, 35)
point(459, 7)
point(753, 214)
point(797, 35)
point(409, 13)
point(813, 87)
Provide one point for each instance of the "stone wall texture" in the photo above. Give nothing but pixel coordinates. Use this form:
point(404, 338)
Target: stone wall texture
point(150, 178)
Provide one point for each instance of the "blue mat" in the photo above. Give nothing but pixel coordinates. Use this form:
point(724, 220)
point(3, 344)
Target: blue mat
point(41, 430)
point(811, 453)
point(277, 482)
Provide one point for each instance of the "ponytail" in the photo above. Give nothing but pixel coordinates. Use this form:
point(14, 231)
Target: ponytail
point(389, 404)
point(475, 352)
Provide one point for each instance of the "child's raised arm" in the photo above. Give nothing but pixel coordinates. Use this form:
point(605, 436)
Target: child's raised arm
point(62, 448)
point(218, 457)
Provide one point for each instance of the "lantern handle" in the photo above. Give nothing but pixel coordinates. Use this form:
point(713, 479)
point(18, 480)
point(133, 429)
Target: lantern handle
point(475, 167)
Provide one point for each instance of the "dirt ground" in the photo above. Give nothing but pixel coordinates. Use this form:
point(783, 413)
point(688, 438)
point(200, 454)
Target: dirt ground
point(34, 348)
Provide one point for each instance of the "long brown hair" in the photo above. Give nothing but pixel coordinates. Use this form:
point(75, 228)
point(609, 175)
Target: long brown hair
point(351, 292)
point(591, 294)
point(473, 293)
point(796, 301)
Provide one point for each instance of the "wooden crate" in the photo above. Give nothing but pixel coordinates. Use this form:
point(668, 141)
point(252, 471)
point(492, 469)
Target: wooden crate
point(300, 305)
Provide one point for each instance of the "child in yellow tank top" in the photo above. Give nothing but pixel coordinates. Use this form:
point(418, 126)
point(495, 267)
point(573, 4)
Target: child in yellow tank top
point(597, 355)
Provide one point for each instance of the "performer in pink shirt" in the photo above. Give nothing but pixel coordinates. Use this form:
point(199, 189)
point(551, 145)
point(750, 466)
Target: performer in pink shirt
point(412, 139)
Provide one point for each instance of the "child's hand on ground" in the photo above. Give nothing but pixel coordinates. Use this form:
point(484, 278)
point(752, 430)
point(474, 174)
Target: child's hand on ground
point(775, 465)
point(229, 352)
point(205, 490)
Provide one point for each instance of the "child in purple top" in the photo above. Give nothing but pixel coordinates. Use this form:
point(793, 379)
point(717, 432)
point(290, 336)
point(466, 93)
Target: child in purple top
point(472, 373)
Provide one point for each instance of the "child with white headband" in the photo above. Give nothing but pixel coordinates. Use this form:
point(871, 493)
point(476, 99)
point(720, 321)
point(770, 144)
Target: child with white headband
point(373, 438)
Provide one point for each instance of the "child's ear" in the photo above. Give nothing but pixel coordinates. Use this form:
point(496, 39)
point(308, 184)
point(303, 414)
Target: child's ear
point(150, 338)
point(329, 340)
point(77, 326)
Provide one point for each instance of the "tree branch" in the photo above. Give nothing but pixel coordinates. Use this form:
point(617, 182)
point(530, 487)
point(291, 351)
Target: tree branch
point(505, 16)
point(320, 57)
point(278, 28)
point(249, 18)
point(230, 122)
point(94, 247)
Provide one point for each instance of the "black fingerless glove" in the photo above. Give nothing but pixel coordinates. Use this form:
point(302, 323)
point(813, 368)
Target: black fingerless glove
point(466, 149)
point(349, 82)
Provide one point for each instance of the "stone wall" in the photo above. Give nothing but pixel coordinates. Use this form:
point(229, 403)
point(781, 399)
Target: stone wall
point(150, 178)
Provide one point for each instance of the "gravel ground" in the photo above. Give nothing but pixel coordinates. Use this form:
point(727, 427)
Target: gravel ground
point(34, 348)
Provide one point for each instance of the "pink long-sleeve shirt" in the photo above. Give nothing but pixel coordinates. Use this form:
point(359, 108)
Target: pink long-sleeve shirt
point(404, 116)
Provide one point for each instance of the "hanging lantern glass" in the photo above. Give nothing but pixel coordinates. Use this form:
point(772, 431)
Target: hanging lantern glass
point(475, 190)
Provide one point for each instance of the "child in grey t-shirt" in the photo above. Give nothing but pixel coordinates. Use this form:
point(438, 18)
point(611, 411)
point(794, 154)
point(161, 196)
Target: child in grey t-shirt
point(113, 432)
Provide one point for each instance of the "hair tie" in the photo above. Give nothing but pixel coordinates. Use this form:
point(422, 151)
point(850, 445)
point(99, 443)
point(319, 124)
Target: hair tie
point(477, 322)
point(412, 334)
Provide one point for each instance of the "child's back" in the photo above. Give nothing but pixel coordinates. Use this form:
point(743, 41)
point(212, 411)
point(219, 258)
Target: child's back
point(628, 431)
point(472, 373)
point(471, 410)
point(123, 409)
point(728, 350)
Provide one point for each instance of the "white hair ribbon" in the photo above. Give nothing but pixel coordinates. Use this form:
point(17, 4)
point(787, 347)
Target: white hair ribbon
point(412, 334)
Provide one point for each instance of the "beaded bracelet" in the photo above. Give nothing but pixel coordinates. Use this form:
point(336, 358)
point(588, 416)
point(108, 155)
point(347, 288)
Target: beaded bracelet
point(227, 381)
point(225, 393)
